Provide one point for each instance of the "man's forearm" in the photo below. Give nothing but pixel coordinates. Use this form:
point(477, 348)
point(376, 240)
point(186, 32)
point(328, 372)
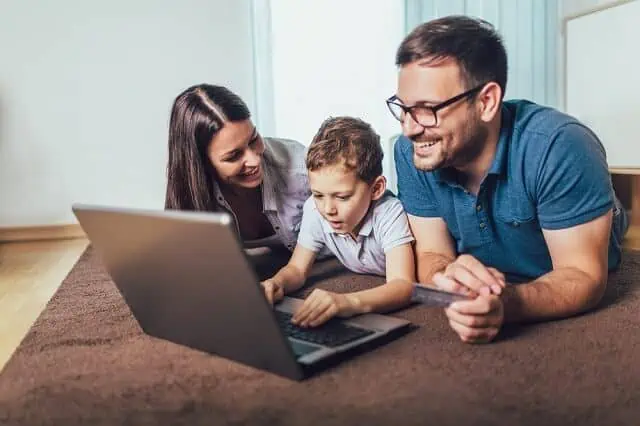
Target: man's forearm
point(429, 264)
point(560, 293)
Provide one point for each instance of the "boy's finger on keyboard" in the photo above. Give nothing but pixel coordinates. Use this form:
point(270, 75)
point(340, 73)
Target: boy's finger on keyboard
point(313, 302)
point(324, 316)
point(319, 310)
point(267, 293)
point(311, 316)
point(301, 314)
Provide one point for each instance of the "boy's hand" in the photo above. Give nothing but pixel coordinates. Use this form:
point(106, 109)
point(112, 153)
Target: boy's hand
point(273, 291)
point(322, 305)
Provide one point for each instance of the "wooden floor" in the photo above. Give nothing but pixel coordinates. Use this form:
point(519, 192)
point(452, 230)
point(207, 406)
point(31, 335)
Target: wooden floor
point(30, 272)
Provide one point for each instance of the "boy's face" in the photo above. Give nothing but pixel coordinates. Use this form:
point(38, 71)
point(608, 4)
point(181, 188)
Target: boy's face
point(342, 198)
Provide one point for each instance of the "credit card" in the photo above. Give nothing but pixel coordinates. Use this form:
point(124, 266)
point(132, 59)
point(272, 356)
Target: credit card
point(434, 297)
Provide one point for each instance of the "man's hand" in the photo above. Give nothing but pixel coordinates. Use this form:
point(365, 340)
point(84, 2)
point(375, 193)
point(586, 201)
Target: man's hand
point(322, 305)
point(273, 291)
point(478, 320)
point(467, 275)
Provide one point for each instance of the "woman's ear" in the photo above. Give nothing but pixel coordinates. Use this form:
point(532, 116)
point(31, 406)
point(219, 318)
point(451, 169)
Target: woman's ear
point(379, 186)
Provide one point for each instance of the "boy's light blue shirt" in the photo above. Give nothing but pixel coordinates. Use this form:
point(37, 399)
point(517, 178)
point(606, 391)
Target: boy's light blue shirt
point(385, 227)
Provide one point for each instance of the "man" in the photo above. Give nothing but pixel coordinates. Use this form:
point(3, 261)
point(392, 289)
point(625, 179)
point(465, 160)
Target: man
point(498, 193)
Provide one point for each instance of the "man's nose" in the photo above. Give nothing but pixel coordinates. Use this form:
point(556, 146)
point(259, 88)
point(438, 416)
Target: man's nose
point(410, 128)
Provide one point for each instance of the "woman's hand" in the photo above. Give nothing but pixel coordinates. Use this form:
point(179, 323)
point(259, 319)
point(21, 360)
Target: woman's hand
point(322, 305)
point(273, 291)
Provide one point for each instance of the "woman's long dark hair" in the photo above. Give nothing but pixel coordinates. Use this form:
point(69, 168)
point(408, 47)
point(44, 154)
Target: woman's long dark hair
point(197, 115)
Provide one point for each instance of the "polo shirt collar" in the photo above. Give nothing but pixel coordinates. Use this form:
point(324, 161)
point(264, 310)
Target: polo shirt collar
point(499, 165)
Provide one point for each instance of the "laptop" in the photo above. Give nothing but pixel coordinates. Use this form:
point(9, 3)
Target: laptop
point(187, 279)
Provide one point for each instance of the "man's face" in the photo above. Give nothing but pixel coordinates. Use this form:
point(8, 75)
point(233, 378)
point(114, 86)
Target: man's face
point(459, 135)
point(341, 198)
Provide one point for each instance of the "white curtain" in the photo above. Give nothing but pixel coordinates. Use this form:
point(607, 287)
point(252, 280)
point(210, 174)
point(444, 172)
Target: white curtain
point(316, 59)
point(531, 33)
point(325, 58)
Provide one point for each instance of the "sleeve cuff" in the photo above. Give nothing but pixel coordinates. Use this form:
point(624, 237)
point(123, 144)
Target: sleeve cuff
point(398, 242)
point(585, 217)
point(421, 211)
point(310, 245)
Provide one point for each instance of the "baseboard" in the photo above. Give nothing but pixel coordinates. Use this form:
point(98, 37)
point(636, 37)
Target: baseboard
point(39, 233)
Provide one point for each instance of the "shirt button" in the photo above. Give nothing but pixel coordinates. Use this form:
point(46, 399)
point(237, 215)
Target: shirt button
point(515, 223)
point(479, 207)
point(482, 225)
point(220, 199)
point(277, 227)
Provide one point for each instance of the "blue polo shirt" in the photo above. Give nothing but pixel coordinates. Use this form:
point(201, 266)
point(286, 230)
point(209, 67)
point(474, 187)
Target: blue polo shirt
point(549, 172)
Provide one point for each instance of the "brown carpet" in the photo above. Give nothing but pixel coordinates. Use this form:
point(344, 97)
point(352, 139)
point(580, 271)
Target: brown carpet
point(86, 361)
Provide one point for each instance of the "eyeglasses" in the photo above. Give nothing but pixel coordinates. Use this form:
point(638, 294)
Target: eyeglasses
point(425, 115)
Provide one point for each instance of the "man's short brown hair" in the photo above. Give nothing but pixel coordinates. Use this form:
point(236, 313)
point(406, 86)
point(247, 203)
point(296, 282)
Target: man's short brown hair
point(349, 142)
point(473, 43)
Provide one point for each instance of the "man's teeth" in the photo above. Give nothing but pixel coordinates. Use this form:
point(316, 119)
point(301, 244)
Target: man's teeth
point(428, 144)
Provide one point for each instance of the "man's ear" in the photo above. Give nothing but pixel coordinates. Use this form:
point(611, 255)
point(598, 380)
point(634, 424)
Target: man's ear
point(489, 98)
point(378, 187)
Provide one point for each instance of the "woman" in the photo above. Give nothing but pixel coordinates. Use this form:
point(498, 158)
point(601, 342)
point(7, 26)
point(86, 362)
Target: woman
point(219, 162)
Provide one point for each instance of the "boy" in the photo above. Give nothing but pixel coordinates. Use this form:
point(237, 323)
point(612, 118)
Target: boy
point(351, 214)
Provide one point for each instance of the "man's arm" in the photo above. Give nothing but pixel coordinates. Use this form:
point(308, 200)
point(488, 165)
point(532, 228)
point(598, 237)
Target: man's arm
point(574, 197)
point(576, 284)
point(434, 246)
point(578, 279)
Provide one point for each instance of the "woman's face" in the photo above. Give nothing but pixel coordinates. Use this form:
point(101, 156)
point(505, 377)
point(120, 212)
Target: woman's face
point(236, 154)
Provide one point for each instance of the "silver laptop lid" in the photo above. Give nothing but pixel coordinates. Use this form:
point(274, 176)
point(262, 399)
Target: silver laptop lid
point(186, 279)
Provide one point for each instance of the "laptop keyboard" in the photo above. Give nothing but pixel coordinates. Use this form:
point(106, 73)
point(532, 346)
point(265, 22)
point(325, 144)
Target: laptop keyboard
point(332, 333)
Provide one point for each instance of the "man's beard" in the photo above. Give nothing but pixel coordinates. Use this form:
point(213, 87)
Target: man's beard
point(473, 140)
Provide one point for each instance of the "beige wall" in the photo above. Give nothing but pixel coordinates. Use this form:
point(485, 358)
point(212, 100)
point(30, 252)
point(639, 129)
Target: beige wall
point(85, 94)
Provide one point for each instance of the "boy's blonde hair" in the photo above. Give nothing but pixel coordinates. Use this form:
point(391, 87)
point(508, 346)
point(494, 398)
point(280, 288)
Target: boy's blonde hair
point(349, 142)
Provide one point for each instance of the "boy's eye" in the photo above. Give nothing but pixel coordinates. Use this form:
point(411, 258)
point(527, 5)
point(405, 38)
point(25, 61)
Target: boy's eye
point(317, 196)
point(343, 197)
